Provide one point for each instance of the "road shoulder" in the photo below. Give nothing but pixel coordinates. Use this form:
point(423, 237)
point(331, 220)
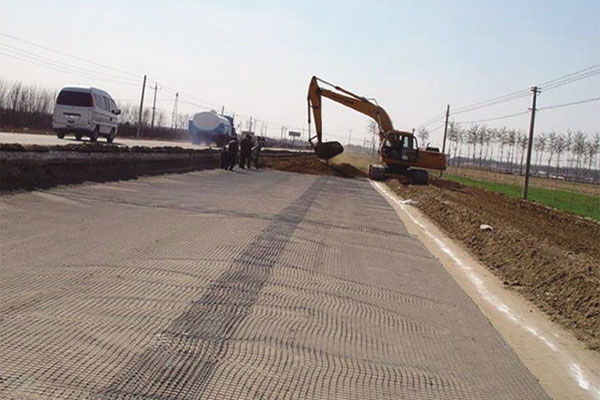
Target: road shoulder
point(563, 366)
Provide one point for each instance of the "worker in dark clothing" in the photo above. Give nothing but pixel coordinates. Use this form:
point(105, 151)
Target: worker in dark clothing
point(232, 150)
point(260, 143)
point(224, 157)
point(245, 151)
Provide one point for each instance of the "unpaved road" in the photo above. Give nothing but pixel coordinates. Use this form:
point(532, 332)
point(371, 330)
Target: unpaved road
point(232, 285)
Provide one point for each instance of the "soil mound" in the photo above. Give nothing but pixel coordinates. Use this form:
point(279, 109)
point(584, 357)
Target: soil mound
point(310, 164)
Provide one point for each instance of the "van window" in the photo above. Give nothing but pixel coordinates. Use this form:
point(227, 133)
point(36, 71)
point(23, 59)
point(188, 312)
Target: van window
point(99, 100)
point(107, 102)
point(78, 99)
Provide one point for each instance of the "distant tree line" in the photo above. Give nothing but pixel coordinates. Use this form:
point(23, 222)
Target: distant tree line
point(570, 155)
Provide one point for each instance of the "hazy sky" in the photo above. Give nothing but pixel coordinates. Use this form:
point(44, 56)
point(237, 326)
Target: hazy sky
point(256, 57)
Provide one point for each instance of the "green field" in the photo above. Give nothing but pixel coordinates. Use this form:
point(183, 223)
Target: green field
point(577, 203)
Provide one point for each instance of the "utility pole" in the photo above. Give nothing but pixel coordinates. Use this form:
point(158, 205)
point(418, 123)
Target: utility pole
point(349, 137)
point(535, 90)
point(445, 133)
point(154, 105)
point(175, 116)
point(139, 127)
point(222, 110)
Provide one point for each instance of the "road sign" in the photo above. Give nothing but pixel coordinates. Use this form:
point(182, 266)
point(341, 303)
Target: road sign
point(294, 133)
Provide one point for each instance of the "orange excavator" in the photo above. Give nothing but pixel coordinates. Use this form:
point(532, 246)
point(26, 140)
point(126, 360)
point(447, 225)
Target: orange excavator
point(399, 154)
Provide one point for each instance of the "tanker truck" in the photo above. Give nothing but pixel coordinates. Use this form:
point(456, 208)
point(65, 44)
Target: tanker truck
point(208, 127)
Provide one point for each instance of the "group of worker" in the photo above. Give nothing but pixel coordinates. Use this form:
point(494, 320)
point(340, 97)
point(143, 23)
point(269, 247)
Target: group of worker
point(249, 153)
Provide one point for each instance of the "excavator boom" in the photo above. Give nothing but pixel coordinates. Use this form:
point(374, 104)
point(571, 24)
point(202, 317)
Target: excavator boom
point(348, 99)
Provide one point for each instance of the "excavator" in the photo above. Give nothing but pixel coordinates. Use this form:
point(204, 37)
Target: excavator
point(399, 155)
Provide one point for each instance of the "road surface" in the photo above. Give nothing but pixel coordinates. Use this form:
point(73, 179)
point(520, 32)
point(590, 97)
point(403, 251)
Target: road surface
point(227, 285)
point(51, 140)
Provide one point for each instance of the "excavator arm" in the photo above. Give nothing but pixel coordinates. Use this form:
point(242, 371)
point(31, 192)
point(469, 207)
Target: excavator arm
point(326, 150)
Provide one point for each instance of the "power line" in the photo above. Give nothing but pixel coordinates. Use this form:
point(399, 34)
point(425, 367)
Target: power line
point(527, 112)
point(504, 99)
point(69, 55)
point(569, 75)
point(571, 80)
point(569, 104)
point(431, 120)
point(63, 69)
point(41, 59)
point(493, 118)
point(551, 84)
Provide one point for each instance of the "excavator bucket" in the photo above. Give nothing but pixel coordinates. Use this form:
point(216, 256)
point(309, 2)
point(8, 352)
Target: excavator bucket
point(327, 150)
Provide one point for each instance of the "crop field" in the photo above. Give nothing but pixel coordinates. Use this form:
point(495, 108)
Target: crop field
point(576, 202)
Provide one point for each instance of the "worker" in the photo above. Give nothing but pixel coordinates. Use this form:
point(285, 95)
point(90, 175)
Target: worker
point(224, 157)
point(232, 150)
point(260, 143)
point(245, 151)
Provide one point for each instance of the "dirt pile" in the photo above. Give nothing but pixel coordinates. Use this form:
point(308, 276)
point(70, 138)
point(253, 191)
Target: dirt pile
point(310, 164)
point(551, 257)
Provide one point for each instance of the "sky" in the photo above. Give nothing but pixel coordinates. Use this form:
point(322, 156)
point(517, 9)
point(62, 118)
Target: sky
point(256, 58)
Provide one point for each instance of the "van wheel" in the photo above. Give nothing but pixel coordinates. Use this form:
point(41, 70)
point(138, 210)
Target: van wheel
point(111, 136)
point(60, 135)
point(78, 136)
point(94, 134)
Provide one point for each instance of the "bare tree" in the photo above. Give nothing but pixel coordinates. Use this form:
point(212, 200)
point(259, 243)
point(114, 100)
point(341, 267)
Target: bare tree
point(522, 141)
point(539, 145)
point(593, 149)
point(511, 140)
point(455, 135)
point(423, 135)
point(560, 144)
point(472, 136)
point(579, 149)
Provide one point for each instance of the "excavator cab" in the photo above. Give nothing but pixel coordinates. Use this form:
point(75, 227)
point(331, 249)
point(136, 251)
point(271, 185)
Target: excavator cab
point(400, 146)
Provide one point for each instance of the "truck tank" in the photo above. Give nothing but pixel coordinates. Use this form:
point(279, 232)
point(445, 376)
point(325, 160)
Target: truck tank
point(208, 127)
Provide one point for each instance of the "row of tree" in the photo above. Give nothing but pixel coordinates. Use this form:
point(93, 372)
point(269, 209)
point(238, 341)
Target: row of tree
point(505, 149)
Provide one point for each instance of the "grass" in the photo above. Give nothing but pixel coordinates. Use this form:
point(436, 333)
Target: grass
point(577, 203)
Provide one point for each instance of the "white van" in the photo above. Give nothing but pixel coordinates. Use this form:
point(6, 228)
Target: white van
point(85, 112)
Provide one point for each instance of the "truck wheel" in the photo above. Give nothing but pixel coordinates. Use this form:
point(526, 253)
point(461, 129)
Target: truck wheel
point(418, 176)
point(111, 136)
point(60, 135)
point(94, 134)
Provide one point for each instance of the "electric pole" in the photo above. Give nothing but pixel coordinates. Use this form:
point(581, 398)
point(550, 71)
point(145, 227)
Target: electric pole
point(535, 90)
point(445, 133)
point(139, 127)
point(175, 116)
point(222, 110)
point(154, 105)
point(349, 137)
